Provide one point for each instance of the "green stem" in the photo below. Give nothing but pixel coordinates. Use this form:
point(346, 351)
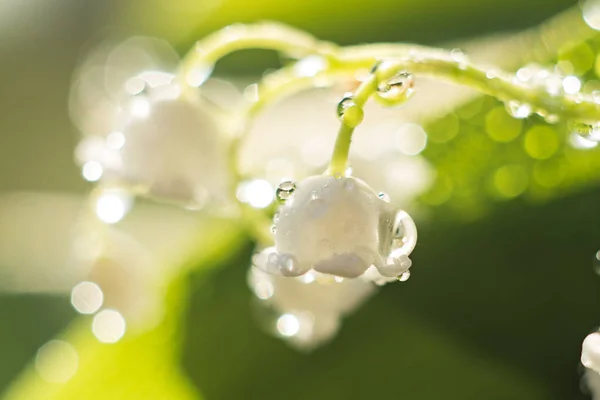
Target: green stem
point(265, 35)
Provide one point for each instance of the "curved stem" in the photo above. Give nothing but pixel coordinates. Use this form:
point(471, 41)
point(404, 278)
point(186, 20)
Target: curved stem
point(499, 84)
point(199, 62)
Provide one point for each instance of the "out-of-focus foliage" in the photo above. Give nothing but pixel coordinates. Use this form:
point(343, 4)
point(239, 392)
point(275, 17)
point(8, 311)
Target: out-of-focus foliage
point(502, 269)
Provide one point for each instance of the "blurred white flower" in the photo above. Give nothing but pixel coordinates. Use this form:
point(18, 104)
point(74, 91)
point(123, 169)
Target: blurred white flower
point(142, 130)
point(591, 379)
point(337, 226)
point(294, 139)
point(308, 309)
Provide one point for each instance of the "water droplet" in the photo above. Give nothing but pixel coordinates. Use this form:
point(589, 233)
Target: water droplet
point(458, 56)
point(276, 217)
point(404, 276)
point(525, 74)
point(289, 266)
point(273, 229)
point(551, 118)
point(273, 258)
point(384, 196)
point(310, 66)
point(518, 110)
point(337, 175)
point(348, 171)
point(349, 184)
point(585, 130)
point(285, 190)
point(317, 208)
point(396, 90)
point(350, 113)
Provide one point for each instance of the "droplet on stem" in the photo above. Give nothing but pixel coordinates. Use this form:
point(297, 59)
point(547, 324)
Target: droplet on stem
point(518, 110)
point(395, 90)
point(350, 113)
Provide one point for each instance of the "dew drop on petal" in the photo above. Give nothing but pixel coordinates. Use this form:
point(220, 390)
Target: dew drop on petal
point(384, 196)
point(289, 266)
point(404, 277)
point(349, 184)
point(317, 208)
point(285, 190)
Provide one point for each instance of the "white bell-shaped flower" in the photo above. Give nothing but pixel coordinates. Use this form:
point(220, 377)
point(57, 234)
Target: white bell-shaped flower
point(167, 145)
point(338, 226)
point(308, 309)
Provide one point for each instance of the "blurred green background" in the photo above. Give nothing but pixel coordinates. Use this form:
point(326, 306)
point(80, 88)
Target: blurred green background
point(505, 290)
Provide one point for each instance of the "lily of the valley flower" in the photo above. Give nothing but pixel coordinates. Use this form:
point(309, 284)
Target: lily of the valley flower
point(338, 226)
point(308, 309)
point(167, 145)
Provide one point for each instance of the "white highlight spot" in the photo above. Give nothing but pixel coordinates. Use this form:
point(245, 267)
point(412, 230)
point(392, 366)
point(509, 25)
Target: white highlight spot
point(92, 171)
point(198, 76)
point(115, 140)
point(108, 326)
point(111, 207)
point(258, 193)
point(579, 142)
point(591, 13)
point(56, 361)
point(411, 139)
point(140, 107)
point(571, 84)
point(264, 290)
point(288, 325)
point(310, 66)
point(87, 297)
point(135, 85)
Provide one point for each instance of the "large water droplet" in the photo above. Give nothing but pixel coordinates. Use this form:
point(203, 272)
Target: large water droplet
point(396, 90)
point(585, 130)
point(349, 112)
point(285, 190)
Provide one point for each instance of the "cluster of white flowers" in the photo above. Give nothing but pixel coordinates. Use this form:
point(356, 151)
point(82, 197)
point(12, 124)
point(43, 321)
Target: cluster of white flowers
point(146, 133)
